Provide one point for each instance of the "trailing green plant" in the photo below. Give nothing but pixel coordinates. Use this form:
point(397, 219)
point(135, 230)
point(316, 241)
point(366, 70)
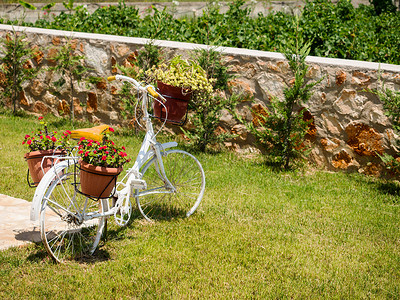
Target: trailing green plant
point(281, 129)
point(16, 65)
point(183, 73)
point(71, 67)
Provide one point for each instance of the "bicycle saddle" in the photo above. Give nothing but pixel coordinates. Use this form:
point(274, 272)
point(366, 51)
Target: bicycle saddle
point(93, 133)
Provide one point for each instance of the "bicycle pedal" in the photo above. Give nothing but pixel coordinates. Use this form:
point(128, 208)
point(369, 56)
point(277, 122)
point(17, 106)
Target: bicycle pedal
point(139, 184)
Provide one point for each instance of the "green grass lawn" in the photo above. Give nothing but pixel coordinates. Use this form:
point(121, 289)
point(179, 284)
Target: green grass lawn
point(257, 234)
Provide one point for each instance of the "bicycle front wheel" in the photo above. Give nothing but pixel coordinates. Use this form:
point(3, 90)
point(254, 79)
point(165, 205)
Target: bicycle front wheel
point(159, 201)
point(67, 229)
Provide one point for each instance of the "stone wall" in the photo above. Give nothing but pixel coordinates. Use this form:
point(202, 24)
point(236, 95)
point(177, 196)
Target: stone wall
point(349, 125)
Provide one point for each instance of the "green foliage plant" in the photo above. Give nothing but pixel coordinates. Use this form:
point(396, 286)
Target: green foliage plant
point(391, 104)
point(16, 65)
point(357, 33)
point(207, 107)
point(183, 73)
point(383, 6)
point(281, 130)
point(71, 67)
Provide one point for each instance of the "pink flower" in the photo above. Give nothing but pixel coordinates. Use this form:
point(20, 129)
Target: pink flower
point(41, 137)
point(54, 139)
point(47, 137)
point(94, 151)
point(123, 148)
point(27, 136)
point(40, 118)
point(29, 142)
point(86, 153)
point(69, 131)
point(107, 152)
point(80, 152)
point(104, 158)
point(81, 139)
point(111, 129)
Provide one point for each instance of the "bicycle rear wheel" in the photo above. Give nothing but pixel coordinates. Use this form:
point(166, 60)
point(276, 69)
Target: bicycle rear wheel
point(66, 230)
point(186, 175)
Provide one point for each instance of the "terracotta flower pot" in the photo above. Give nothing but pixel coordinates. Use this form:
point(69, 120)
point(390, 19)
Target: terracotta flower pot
point(97, 182)
point(35, 165)
point(176, 104)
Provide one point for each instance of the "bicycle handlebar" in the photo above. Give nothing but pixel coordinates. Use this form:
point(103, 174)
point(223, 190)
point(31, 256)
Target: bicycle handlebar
point(148, 88)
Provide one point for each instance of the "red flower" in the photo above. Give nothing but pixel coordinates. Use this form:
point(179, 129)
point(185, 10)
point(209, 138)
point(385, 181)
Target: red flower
point(40, 118)
point(94, 151)
point(47, 137)
point(41, 137)
point(80, 152)
point(54, 139)
point(104, 158)
point(81, 139)
point(111, 129)
point(123, 148)
point(69, 131)
point(86, 153)
point(27, 136)
point(29, 142)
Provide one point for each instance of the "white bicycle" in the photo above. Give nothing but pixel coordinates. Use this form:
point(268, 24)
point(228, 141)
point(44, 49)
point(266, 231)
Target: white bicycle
point(164, 182)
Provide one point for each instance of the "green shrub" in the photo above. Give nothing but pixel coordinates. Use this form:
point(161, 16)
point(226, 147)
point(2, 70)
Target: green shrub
point(334, 30)
point(16, 66)
point(391, 104)
point(281, 129)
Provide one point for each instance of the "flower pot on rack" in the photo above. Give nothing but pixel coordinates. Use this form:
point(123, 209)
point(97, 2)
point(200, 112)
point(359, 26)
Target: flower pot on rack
point(97, 182)
point(38, 164)
point(175, 108)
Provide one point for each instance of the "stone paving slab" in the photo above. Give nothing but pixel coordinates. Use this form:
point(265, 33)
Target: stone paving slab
point(16, 228)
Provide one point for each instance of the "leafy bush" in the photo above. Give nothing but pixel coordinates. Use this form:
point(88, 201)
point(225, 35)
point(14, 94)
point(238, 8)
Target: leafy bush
point(281, 130)
point(207, 106)
point(16, 65)
point(334, 30)
point(391, 103)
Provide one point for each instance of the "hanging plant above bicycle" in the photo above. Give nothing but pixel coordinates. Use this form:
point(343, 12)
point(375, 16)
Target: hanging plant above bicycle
point(185, 74)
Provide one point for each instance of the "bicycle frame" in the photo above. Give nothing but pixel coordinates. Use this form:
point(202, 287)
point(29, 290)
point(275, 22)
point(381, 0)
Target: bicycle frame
point(149, 148)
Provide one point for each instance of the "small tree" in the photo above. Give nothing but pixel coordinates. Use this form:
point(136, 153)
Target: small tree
point(207, 107)
point(71, 67)
point(16, 65)
point(281, 130)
